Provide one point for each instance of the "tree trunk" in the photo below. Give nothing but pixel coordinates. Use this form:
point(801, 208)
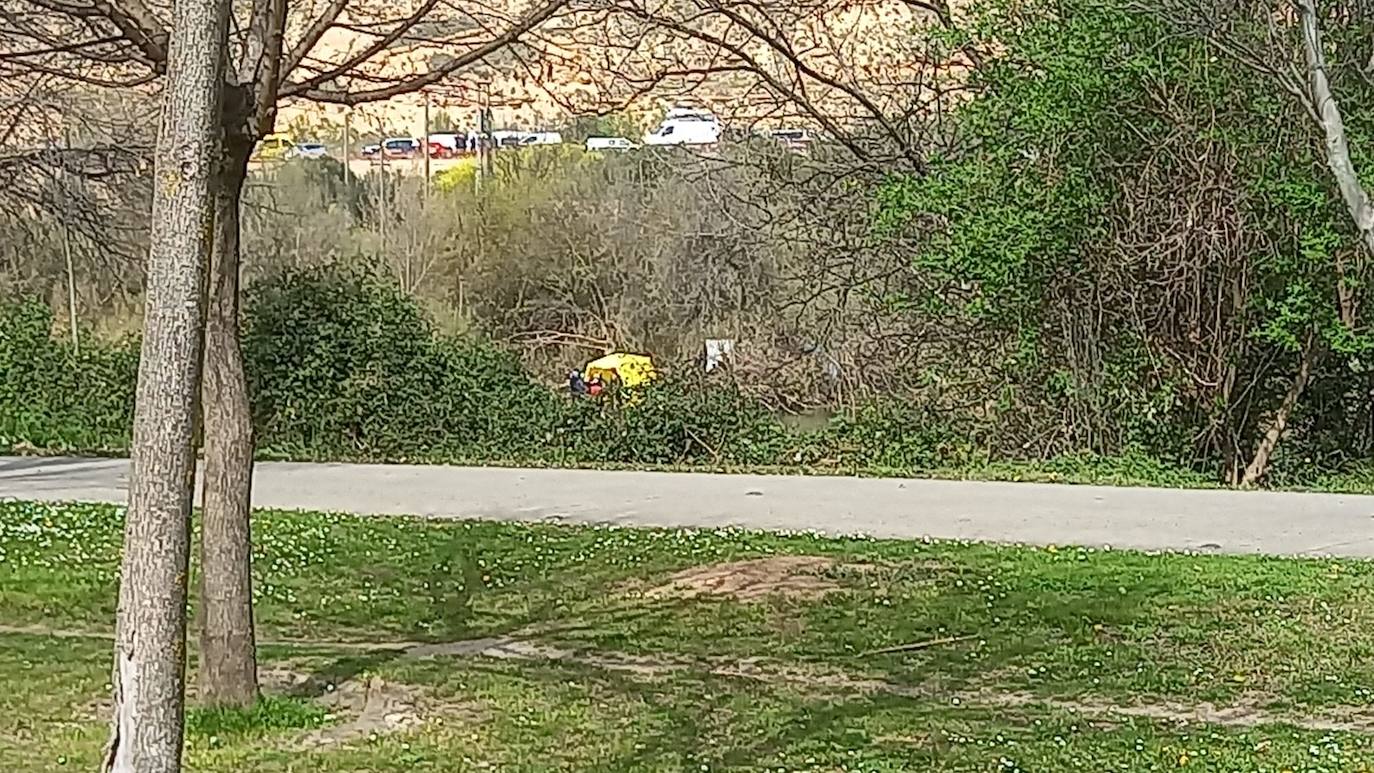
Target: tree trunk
point(150, 641)
point(228, 656)
point(1264, 452)
point(1328, 115)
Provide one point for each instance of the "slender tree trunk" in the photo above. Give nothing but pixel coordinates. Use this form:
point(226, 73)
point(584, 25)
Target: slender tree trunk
point(150, 646)
point(1328, 114)
point(1264, 452)
point(228, 656)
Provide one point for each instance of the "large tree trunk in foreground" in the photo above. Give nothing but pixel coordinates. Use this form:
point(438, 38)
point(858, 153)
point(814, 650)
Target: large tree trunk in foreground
point(150, 647)
point(228, 655)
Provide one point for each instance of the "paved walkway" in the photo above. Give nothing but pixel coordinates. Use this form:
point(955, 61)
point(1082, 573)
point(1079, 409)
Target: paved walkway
point(1214, 521)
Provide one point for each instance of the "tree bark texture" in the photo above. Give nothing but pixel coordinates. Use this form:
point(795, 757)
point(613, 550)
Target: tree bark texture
point(228, 655)
point(150, 647)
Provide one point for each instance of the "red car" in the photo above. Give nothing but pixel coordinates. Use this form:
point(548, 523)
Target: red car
point(445, 145)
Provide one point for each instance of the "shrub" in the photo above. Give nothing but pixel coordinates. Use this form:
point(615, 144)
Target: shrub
point(674, 422)
point(55, 399)
point(902, 436)
point(344, 364)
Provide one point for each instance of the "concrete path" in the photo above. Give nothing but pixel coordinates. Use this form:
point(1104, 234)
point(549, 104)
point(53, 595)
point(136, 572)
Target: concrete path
point(1214, 521)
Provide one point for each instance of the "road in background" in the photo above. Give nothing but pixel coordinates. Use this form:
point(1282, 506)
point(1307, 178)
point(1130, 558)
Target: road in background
point(1211, 521)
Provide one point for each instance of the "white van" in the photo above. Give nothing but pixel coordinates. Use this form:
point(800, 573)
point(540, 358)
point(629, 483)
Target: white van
point(609, 143)
point(542, 138)
point(686, 126)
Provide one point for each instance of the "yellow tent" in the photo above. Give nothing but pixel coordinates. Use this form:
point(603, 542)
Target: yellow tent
point(630, 370)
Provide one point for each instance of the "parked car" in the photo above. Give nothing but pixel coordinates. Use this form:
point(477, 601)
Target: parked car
point(793, 139)
point(508, 139)
point(401, 147)
point(519, 139)
point(446, 144)
point(309, 150)
point(542, 138)
point(273, 147)
point(373, 151)
point(610, 143)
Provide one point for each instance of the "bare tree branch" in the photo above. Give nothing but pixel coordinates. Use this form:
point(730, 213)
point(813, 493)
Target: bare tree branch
point(413, 84)
point(138, 23)
point(312, 36)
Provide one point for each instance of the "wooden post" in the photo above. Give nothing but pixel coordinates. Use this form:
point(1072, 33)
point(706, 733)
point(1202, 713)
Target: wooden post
point(348, 147)
point(382, 207)
point(67, 251)
point(487, 142)
point(425, 145)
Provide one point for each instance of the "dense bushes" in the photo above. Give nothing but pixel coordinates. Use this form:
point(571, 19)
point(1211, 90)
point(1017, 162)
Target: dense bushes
point(343, 365)
point(1168, 287)
point(54, 398)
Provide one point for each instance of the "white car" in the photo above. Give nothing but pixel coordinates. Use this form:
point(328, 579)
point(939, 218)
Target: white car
point(308, 150)
point(520, 139)
point(610, 143)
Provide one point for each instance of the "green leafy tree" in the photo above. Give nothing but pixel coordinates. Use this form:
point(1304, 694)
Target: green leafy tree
point(1149, 229)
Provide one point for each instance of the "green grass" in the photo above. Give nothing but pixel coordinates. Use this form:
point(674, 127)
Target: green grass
point(1055, 627)
point(274, 713)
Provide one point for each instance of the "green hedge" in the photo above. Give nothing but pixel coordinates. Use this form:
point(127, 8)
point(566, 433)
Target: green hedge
point(52, 398)
point(342, 365)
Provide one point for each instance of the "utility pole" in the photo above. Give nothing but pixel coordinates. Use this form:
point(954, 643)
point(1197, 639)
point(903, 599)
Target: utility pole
point(425, 144)
point(67, 249)
point(382, 208)
point(487, 145)
point(348, 148)
point(378, 169)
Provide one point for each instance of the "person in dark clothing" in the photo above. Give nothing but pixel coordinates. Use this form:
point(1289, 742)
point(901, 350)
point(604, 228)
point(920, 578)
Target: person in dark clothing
point(576, 386)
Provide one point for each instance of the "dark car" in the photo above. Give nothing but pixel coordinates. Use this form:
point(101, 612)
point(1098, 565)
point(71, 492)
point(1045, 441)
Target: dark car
point(401, 147)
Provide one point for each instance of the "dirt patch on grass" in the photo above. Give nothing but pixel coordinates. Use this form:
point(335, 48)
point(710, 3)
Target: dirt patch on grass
point(362, 707)
point(800, 577)
point(372, 706)
point(517, 648)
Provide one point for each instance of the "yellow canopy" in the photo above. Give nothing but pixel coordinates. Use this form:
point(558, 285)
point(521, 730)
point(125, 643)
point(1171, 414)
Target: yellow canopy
point(630, 369)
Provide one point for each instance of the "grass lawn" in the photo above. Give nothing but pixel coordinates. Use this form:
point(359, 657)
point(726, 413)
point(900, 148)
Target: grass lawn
point(402, 645)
